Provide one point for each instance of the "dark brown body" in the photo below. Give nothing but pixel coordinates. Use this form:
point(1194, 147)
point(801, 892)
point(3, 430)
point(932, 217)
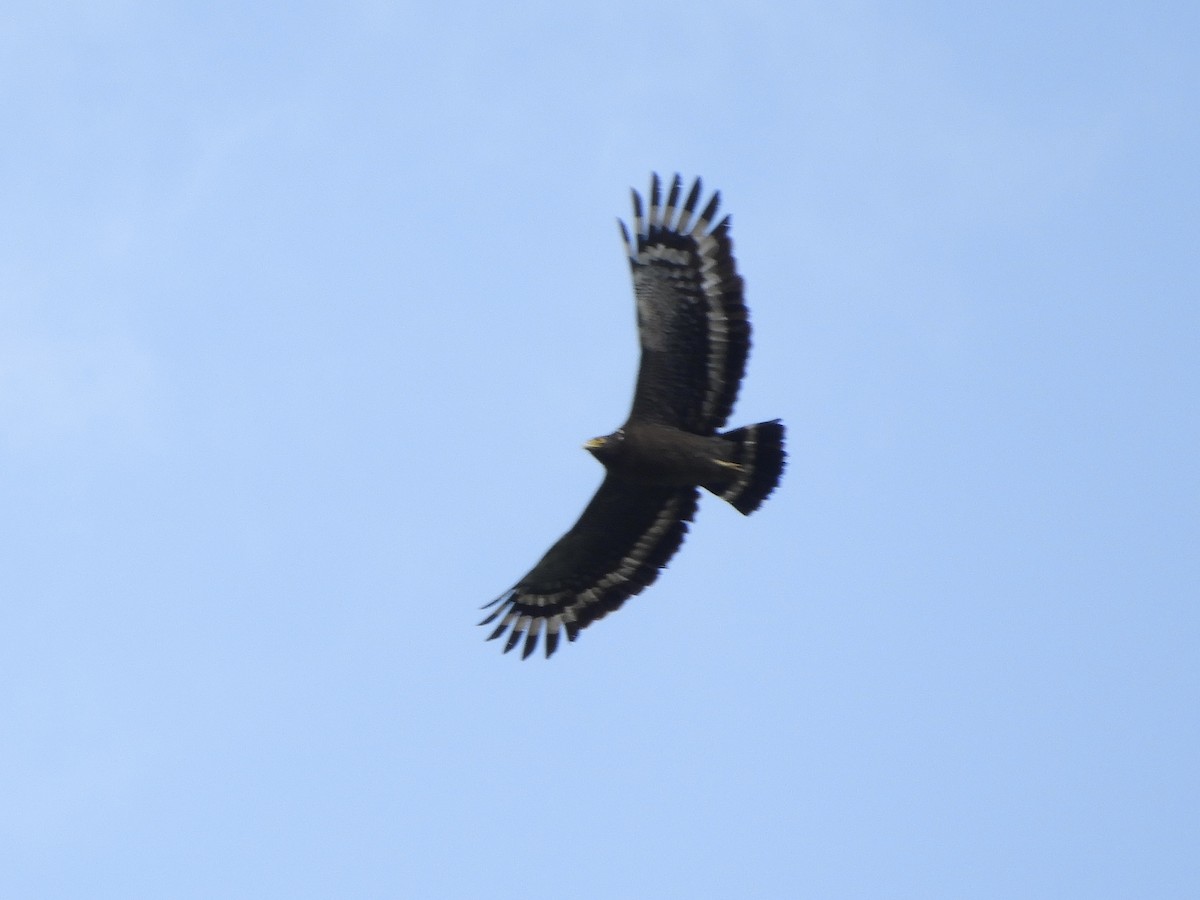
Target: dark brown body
point(741, 466)
point(661, 455)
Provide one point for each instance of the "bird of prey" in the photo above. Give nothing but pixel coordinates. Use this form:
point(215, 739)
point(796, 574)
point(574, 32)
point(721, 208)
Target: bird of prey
point(695, 337)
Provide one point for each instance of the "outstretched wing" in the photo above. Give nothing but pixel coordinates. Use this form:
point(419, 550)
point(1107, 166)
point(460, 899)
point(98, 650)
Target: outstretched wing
point(692, 323)
point(627, 533)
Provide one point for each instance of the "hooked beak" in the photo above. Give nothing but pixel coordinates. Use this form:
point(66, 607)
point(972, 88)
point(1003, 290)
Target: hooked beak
point(594, 444)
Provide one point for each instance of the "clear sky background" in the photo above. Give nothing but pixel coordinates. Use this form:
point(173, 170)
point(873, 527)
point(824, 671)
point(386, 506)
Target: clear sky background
point(305, 310)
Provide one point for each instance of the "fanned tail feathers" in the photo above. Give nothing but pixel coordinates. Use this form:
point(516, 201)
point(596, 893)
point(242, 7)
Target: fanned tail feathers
point(760, 458)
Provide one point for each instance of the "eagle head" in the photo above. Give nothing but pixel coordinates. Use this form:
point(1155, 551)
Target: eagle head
point(606, 448)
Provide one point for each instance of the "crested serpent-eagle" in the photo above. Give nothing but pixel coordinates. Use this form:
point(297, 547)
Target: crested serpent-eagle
point(695, 337)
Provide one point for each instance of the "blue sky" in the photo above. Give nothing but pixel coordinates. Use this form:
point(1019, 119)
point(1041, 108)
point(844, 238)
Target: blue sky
point(306, 310)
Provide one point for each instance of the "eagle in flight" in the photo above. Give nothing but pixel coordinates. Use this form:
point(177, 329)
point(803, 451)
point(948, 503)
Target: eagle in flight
point(695, 336)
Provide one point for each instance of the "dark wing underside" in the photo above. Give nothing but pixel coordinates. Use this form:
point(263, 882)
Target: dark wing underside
point(692, 323)
point(624, 536)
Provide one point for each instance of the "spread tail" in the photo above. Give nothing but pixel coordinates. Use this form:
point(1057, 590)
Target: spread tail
point(758, 460)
